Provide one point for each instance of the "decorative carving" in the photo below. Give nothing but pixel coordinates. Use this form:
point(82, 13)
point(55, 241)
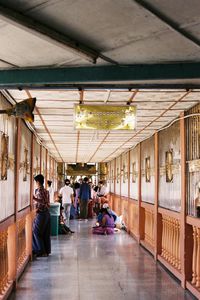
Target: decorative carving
point(134, 172)
point(85, 169)
point(4, 155)
point(194, 165)
point(25, 165)
point(168, 165)
point(147, 169)
point(118, 175)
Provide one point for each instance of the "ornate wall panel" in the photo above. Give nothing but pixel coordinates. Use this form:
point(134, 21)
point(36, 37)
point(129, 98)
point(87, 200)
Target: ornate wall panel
point(134, 167)
point(170, 168)
point(112, 174)
point(24, 171)
point(124, 174)
point(43, 162)
point(118, 174)
point(36, 158)
point(193, 162)
point(48, 166)
point(147, 170)
point(7, 162)
point(55, 176)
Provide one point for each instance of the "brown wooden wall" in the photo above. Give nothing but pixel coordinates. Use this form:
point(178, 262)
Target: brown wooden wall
point(160, 210)
point(25, 159)
point(170, 192)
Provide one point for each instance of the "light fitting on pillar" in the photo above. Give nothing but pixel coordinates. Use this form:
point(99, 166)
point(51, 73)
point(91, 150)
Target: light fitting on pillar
point(105, 117)
point(23, 109)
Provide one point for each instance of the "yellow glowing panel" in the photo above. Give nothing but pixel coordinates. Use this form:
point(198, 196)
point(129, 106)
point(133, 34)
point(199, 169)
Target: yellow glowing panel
point(105, 117)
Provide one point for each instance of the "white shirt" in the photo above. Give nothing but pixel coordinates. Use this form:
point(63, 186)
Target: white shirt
point(66, 192)
point(51, 194)
point(103, 190)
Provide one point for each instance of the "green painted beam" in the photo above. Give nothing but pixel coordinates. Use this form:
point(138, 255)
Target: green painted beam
point(103, 75)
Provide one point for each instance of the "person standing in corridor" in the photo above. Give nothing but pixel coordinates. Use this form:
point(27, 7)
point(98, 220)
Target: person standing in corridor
point(85, 196)
point(41, 241)
point(67, 194)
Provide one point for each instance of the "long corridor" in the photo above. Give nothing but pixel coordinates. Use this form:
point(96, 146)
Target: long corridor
point(87, 267)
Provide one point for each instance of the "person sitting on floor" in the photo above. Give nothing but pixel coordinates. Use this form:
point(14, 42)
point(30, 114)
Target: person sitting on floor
point(106, 226)
point(63, 229)
point(119, 223)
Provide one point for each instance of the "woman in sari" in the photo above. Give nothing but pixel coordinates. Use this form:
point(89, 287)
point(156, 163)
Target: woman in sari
point(41, 226)
point(107, 223)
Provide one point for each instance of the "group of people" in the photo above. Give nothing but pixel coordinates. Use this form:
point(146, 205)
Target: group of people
point(79, 197)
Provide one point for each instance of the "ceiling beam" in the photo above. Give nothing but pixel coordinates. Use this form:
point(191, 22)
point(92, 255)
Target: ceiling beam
point(50, 35)
point(168, 22)
point(147, 75)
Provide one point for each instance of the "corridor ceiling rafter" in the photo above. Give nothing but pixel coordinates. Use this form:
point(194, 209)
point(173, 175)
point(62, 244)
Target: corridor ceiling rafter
point(45, 127)
point(155, 109)
point(170, 107)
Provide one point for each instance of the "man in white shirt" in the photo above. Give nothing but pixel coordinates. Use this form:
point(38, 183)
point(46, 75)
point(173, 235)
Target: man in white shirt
point(67, 198)
point(51, 191)
point(102, 190)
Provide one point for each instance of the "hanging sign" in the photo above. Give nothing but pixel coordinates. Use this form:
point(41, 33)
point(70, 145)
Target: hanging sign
point(105, 117)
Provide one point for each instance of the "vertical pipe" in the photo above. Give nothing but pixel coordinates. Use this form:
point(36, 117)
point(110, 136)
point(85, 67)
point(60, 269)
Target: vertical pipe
point(183, 201)
point(129, 174)
point(198, 259)
point(31, 171)
point(41, 158)
point(115, 177)
point(13, 256)
point(194, 255)
point(120, 179)
point(46, 165)
point(141, 216)
point(157, 217)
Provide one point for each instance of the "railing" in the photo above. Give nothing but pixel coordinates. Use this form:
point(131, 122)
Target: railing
point(3, 261)
point(116, 205)
point(149, 227)
point(21, 239)
point(196, 257)
point(133, 217)
point(171, 241)
point(124, 210)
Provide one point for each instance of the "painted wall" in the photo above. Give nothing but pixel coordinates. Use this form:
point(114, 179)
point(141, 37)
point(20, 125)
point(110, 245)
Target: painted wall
point(43, 161)
point(118, 174)
point(7, 186)
point(148, 188)
point(124, 178)
point(170, 192)
point(134, 167)
point(112, 174)
point(24, 171)
point(36, 158)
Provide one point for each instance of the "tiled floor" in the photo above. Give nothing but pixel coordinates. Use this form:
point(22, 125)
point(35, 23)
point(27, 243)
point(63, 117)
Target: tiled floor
point(87, 267)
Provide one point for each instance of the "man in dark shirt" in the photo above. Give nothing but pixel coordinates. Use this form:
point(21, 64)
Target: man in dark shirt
point(85, 196)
